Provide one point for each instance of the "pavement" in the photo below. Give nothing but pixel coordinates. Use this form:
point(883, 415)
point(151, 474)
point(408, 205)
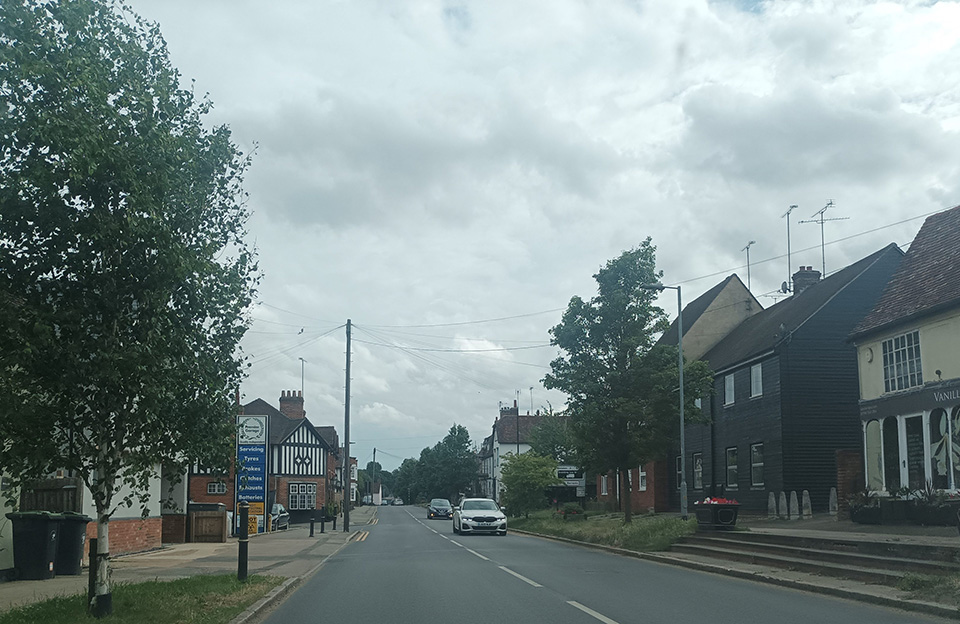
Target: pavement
point(295, 556)
point(291, 554)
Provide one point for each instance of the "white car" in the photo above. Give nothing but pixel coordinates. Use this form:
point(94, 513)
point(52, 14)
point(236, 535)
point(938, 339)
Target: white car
point(479, 515)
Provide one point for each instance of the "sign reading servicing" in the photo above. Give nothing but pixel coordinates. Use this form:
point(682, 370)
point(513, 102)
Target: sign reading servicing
point(252, 463)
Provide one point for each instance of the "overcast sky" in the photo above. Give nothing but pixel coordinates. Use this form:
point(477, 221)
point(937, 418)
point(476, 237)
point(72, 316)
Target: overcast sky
point(448, 174)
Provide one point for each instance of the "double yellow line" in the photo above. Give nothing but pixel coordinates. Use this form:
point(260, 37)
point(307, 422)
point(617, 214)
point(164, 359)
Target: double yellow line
point(360, 536)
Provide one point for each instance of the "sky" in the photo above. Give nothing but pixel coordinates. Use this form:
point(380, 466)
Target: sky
point(448, 174)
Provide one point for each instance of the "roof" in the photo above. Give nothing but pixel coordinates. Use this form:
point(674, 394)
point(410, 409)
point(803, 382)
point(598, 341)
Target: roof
point(281, 426)
point(329, 435)
point(763, 331)
point(928, 279)
point(694, 310)
point(506, 427)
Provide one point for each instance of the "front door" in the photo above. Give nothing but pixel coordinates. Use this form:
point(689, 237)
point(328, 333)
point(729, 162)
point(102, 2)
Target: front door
point(914, 456)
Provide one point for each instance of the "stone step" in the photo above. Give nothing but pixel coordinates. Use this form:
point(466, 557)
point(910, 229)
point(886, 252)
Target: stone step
point(852, 544)
point(825, 551)
point(864, 574)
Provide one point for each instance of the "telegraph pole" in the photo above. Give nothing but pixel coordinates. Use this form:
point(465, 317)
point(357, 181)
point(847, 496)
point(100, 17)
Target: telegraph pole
point(346, 443)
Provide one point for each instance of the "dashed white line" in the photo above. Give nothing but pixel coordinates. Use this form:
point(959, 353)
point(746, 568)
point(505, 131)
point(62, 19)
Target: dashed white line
point(520, 576)
point(473, 552)
point(590, 611)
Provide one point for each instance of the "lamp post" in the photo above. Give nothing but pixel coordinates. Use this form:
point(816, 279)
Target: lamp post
point(683, 451)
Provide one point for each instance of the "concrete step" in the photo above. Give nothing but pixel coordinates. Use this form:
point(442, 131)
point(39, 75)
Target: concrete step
point(829, 551)
point(885, 547)
point(874, 575)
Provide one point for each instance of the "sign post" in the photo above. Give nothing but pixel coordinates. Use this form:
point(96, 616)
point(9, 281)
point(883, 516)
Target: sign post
point(251, 488)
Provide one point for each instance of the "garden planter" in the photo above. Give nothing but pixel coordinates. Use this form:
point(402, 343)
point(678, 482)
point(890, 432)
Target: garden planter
point(716, 516)
point(933, 515)
point(865, 514)
point(894, 511)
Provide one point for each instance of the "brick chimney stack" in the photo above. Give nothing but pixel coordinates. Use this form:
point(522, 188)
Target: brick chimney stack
point(291, 404)
point(804, 278)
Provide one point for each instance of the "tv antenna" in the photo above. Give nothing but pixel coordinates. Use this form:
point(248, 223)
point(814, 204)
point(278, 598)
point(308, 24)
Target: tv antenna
point(747, 249)
point(785, 287)
point(821, 219)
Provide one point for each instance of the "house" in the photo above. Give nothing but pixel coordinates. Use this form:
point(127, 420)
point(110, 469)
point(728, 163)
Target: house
point(301, 462)
point(785, 399)
point(706, 321)
point(908, 356)
point(511, 435)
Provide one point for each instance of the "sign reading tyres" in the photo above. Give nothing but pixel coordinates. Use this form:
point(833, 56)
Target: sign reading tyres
point(252, 467)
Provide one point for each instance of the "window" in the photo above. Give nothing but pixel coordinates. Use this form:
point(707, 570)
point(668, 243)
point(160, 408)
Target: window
point(679, 466)
point(901, 362)
point(733, 475)
point(642, 479)
point(303, 496)
point(756, 464)
point(756, 380)
point(698, 471)
point(603, 486)
point(728, 390)
point(217, 487)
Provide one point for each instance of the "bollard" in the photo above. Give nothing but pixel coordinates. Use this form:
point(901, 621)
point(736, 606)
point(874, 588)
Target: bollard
point(92, 582)
point(244, 541)
point(323, 519)
point(334, 523)
point(311, 525)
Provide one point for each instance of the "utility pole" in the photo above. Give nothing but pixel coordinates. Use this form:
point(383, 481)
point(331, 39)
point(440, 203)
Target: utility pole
point(347, 469)
point(302, 362)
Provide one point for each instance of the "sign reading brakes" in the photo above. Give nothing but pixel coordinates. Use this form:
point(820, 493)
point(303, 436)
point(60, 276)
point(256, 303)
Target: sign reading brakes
point(252, 464)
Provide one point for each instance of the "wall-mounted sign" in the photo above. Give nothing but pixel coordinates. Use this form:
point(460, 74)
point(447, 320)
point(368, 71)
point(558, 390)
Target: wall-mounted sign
point(252, 466)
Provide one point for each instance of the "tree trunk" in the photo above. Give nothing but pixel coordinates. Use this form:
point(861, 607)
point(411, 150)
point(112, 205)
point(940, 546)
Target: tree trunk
point(625, 498)
point(102, 604)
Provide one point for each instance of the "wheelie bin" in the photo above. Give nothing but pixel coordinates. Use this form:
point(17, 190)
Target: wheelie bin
point(35, 536)
point(73, 534)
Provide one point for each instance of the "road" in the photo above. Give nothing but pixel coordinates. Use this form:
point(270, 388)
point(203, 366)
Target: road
point(405, 569)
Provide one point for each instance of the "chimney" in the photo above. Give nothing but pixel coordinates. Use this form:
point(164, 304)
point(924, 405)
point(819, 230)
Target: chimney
point(804, 278)
point(291, 404)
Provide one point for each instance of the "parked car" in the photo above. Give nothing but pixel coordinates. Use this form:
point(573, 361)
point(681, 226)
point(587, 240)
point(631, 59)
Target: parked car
point(279, 517)
point(479, 515)
point(439, 508)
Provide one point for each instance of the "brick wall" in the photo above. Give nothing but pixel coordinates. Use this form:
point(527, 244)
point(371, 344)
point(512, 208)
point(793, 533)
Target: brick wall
point(850, 479)
point(131, 535)
point(197, 492)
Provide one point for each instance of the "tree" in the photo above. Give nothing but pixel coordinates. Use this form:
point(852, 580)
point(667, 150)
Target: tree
point(621, 386)
point(553, 438)
point(122, 253)
point(526, 478)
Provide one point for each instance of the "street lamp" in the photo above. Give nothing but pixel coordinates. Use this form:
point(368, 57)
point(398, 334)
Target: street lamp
point(683, 451)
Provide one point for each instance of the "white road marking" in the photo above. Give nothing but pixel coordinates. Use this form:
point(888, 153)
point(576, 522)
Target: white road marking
point(521, 577)
point(473, 552)
point(590, 611)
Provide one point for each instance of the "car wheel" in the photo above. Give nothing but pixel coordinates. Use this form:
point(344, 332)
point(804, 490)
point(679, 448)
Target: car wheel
point(455, 529)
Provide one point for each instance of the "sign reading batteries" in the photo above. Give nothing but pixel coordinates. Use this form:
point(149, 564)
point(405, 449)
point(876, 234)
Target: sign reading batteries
point(252, 465)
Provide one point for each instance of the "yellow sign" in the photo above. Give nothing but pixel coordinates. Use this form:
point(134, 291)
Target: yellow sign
point(252, 525)
point(256, 509)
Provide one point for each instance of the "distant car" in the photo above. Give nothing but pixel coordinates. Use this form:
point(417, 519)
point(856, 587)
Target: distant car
point(279, 517)
point(398, 501)
point(479, 515)
point(439, 508)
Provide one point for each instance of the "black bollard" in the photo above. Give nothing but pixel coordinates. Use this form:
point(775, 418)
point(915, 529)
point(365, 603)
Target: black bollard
point(334, 523)
point(311, 525)
point(323, 519)
point(244, 541)
point(92, 581)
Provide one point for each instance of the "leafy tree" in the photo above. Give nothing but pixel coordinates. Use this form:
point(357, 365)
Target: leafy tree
point(621, 386)
point(122, 258)
point(526, 478)
point(553, 438)
point(405, 480)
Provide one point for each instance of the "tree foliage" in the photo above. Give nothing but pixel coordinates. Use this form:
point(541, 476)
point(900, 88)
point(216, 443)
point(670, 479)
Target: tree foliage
point(553, 438)
point(526, 478)
point(446, 470)
point(621, 385)
point(124, 273)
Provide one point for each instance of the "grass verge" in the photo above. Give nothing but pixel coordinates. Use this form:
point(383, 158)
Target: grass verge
point(645, 533)
point(213, 599)
point(940, 589)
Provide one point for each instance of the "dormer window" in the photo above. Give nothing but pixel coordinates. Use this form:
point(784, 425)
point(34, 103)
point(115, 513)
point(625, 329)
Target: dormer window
point(901, 362)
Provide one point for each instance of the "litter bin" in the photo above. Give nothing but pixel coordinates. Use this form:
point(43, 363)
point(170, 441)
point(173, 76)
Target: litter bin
point(35, 544)
point(73, 534)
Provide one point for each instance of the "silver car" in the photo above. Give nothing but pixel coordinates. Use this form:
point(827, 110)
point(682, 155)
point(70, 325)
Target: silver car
point(479, 515)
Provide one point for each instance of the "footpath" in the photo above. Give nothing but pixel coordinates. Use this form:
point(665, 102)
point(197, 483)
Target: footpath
point(291, 554)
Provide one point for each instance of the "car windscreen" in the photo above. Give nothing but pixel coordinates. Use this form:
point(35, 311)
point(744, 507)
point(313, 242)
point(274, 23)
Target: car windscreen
point(439, 502)
point(480, 505)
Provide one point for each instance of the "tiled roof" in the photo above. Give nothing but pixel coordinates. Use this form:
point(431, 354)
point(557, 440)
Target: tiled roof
point(506, 427)
point(693, 310)
point(762, 331)
point(280, 425)
point(928, 279)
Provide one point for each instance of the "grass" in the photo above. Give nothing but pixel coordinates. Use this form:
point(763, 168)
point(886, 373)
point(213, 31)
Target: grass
point(645, 533)
point(213, 599)
point(940, 589)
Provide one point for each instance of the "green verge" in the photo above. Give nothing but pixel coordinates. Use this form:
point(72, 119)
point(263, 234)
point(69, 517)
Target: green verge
point(644, 533)
point(941, 589)
point(213, 599)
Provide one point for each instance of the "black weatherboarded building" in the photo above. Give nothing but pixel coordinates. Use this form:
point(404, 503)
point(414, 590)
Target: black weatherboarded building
point(786, 391)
